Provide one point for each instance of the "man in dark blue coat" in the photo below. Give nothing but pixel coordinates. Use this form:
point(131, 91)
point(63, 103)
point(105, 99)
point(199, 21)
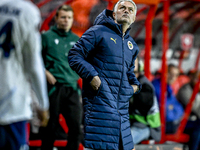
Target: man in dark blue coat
point(104, 58)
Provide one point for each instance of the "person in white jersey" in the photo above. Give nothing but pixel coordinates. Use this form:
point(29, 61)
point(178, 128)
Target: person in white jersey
point(21, 69)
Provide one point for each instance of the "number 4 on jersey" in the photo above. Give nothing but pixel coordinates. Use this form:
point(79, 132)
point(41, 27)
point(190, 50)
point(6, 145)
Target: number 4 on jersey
point(5, 39)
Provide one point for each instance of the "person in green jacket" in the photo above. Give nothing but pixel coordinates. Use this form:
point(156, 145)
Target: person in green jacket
point(63, 90)
point(144, 109)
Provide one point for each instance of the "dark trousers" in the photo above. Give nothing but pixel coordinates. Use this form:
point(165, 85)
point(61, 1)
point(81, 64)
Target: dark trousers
point(171, 126)
point(66, 101)
point(193, 129)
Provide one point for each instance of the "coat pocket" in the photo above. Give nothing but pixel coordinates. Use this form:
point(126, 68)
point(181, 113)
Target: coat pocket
point(98, 91)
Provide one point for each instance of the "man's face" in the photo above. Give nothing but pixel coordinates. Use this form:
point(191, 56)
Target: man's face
point(64, 20)
point(125, 13)
point(173, 74)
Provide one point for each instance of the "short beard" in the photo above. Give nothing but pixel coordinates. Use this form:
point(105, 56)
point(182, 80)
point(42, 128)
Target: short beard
point(123, 22)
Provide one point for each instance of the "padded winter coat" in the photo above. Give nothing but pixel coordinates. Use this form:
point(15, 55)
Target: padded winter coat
point(104, 51)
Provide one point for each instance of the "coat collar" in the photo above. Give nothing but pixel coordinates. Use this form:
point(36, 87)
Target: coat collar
point(60, 31)
point(106, 18)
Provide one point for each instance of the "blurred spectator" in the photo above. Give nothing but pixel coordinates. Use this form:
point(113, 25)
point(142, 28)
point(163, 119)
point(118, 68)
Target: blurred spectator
point(64, 94)
point(21, 69)
point(144, 109)
point(179, 82)
point(193, 124)
point(174, 110)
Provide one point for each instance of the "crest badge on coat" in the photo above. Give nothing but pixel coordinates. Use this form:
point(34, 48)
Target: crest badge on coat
point(130, 45)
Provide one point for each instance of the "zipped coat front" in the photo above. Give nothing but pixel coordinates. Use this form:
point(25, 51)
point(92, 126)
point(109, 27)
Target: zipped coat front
point(104, 51)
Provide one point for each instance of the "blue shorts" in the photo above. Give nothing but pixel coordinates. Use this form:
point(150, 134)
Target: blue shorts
point(13, 136)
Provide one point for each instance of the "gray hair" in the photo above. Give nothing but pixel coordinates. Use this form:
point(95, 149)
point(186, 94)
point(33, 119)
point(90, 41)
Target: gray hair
point(116, 5)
